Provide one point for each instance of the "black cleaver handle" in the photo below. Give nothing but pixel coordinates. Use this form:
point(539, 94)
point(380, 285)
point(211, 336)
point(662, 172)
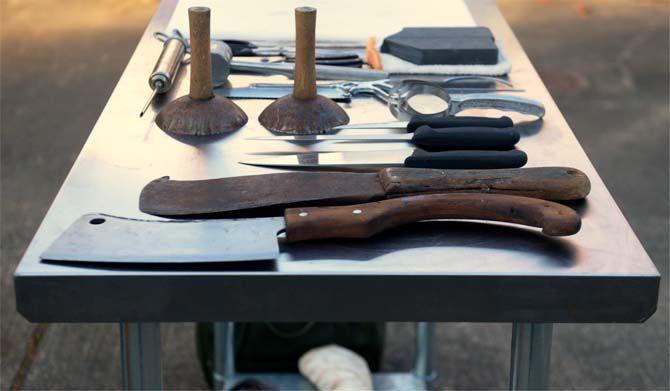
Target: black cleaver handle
point(451, 122)
point(433, 139)
point(466, 159)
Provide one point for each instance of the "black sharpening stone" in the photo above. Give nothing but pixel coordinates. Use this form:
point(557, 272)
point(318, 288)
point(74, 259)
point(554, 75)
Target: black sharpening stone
point(443, 45)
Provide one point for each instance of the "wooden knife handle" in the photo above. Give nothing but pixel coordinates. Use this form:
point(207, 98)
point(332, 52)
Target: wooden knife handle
point(365, 220)
point(549, 183)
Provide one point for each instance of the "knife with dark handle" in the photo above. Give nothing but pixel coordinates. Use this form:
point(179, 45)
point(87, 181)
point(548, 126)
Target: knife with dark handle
point(425, 137)
point(274, 192)
point(466, 159)
point(452, 122)
point(435, 139)
point(441, 122)
point(372, 160)
point(103, 238)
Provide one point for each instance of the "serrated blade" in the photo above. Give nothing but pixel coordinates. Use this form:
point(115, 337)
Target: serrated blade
point(105, 238)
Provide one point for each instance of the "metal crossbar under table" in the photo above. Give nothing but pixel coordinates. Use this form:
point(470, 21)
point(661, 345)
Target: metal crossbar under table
point(141, 361)
point(529, 364)
point(419, 379)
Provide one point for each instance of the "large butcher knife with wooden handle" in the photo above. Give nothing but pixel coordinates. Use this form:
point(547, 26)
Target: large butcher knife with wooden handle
point(101, 238)
point(166, 197)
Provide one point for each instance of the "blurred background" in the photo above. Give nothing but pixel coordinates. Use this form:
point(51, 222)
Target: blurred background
point(605, 63)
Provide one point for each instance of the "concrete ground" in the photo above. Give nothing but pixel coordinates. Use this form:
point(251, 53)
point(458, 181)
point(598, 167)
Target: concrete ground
point(605, 62)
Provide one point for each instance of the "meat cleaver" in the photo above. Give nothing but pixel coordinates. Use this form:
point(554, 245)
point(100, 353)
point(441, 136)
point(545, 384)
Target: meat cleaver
point(103, 238)
point(166, 197)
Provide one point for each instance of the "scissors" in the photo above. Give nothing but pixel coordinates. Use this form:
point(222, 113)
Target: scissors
point(398, 96)
point(456, 92)
point(323, 56)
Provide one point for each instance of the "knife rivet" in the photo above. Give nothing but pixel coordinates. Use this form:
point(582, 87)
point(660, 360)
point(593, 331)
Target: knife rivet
point(357, 211)
point(303, 214)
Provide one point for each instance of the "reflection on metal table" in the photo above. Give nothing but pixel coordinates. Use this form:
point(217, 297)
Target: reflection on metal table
point(438, 271)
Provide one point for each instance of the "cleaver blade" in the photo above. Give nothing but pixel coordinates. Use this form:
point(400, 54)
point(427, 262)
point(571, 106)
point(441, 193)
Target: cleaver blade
point(105, 238)
point(102, 238)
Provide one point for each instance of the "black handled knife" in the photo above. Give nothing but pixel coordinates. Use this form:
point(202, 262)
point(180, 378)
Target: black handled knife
point(366, 160)
point(426, 138)
point(445, 122)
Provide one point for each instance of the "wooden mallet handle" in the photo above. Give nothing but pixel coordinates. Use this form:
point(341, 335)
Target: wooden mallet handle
point(304, 85)
point(201, 60)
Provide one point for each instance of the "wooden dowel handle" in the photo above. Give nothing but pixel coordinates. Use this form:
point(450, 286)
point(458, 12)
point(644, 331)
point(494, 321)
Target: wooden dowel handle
point(365, 220)
point(304, 85)
point(201, 60)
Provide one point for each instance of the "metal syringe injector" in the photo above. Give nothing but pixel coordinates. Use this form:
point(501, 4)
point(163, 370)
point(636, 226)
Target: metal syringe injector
point(175, 48)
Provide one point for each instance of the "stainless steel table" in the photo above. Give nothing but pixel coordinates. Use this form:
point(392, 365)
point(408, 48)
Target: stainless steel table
point(440, 271)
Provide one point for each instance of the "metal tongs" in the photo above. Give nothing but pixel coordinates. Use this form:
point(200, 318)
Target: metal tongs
point(398, 97)
point(383, 89)
point(399, 101)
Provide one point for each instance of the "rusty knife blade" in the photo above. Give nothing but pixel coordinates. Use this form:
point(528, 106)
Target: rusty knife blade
point(166, 197)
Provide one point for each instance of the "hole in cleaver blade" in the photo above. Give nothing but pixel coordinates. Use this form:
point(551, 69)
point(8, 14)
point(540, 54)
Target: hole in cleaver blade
point(105, 239)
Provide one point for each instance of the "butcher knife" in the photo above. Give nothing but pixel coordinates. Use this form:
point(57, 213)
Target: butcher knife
point(275, 192)
point(442, 122)
point(417, 158)
point(102, 238)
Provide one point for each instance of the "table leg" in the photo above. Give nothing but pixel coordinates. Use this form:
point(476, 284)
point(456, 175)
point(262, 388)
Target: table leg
point(141, 356)
point(531, 355)
point(424, 361)
point(224, 354)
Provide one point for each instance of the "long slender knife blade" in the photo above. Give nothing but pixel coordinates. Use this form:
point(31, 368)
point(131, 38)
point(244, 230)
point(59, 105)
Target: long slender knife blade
point(343, 160)
point(375, 125)
point(276, 93)
point(354, 137)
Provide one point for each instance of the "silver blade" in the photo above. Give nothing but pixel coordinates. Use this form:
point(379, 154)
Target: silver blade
point(355, 137)
point(104, 238)
point(261, 92)
point(366, 159)
point(376, 125)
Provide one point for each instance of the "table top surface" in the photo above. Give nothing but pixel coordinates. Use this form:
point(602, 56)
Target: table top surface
point(459, 270)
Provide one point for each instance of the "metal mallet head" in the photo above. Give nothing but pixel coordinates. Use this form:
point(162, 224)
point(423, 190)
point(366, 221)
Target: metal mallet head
point(304, 112)
point(200, 113)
